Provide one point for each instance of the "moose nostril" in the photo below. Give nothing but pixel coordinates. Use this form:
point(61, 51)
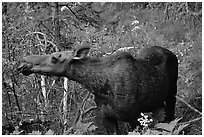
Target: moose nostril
point(54, 59)
point(21, 66)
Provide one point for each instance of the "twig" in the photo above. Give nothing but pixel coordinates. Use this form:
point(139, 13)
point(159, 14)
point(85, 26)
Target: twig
point(180, 99)
point(166, 11)
point(54, 45)
point(16, 96)
point(45, 39)
point(9, 98)
point(53, 82)
point(193, 120)
point(70, 100)
point(24, 113)
point(80, 111)
point(72, 12)
point(88, 110)
point(10, 87)
point(84, 101)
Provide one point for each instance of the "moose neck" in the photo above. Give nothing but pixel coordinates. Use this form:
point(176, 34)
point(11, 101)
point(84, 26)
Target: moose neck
point(89, 73)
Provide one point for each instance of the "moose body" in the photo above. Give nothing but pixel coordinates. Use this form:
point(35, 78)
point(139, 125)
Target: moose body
point(123, 86)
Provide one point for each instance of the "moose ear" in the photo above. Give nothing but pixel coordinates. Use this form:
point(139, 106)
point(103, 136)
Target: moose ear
point(81, 52)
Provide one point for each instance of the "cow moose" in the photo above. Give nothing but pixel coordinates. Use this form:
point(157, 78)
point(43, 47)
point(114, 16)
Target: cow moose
point(123, 85)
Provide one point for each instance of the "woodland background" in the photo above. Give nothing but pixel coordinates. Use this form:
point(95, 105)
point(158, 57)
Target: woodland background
point(50, 105)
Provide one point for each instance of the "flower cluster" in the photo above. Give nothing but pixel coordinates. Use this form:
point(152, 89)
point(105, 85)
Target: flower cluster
point(144, 120)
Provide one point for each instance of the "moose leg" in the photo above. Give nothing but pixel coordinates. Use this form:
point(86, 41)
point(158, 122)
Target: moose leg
point(111, 125)
point(134, 122)
point(170, 107)
point(171, 100)
point(172, 69)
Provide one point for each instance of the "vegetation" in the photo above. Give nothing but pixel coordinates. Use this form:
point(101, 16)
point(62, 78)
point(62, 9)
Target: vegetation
point(51, 105)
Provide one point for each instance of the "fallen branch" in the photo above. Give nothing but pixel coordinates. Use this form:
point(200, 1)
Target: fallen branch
point(180, 99)
point(188, 122)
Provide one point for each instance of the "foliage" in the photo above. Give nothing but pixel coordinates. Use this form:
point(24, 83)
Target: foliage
point(41, 28)
point(152, 127)
point(81, 128)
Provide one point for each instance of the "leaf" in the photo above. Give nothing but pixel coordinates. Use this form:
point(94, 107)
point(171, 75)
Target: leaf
point(147, 132)
point(164, 126)
point(168, 127)
point(35, 133)
point(78, 132)
point(83, 127)
point(16, 131)
point(49, 132)
point(173, 123)
point(92, 127)
point(180, 128)
point(134, 133)
point(153, 132)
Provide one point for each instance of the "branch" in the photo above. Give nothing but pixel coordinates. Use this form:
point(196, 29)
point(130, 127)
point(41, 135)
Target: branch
point(80, 111)
point(180, 99)
point(44, 92)
point(40, 40)
point(65, 98)
point(16, 96)
point(77, 25)
point(53, 82)
point(54, 45)
point(45, 39)
point(193, 120)
point(72, 12)
point(88, 110)
point(10, 86)
point(47, 29)
point(24, 113)
point(84, 101)
point(9, 98)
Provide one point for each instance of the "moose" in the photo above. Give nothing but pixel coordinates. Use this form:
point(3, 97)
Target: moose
point(123, 85)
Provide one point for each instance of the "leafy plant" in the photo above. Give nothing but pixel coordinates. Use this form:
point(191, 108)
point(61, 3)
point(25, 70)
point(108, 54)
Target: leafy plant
point(81, 128)
point(172, 128)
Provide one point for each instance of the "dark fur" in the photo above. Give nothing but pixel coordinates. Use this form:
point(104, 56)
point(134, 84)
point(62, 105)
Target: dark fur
point(125, 86)
point(163, 58)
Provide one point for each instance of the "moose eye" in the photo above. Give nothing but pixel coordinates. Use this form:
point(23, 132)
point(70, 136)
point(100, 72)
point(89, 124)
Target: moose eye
point(54, 60)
